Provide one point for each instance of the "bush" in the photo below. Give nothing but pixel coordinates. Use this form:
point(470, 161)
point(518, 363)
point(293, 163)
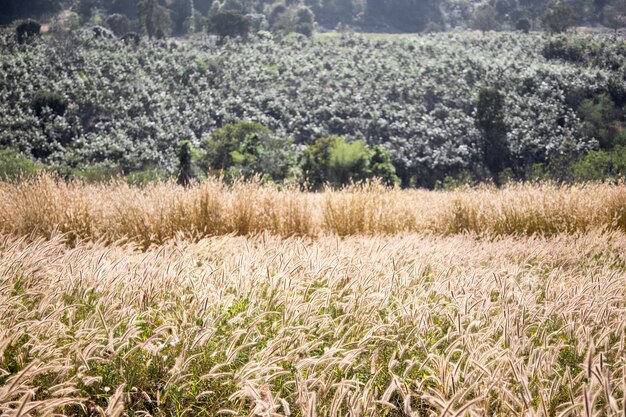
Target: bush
point(382, 167)
point(599, 117)
point(146, 176)
point(600, 165)
point(15, 166)
point(562, 47)
point(131, 39)
point(94, 173)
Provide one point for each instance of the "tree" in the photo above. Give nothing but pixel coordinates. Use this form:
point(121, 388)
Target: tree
point(598, 116)
point(245, 149)
point(27, 30)
point(484, 19)
point(334, 160)
point(182, 11)
point(559, 18)
point(299, 19)
point(119, 24)
point(229, 23)
point(614, 15)
point(523, 25)
point(489, 120)
point(128, 8)
point(305, 20)
point(403, 15)
point(154, 19)
point(185, 163)
point(85, 9)
point(382, 167)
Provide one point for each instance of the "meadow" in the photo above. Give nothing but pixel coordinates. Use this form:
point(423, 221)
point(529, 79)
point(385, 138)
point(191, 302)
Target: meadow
point(252, 300)
point(114, 211)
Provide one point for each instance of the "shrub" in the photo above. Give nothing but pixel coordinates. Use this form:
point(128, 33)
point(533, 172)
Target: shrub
point(15, 166)
point(146, 177)
point(335, 161)
point(132, 39)
point(600, 165)
point(599, 115)
point(562, 47)
point(382, 167)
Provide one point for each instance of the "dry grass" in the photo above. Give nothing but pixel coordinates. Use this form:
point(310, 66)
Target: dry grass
point(43, 206)
point(358, 326)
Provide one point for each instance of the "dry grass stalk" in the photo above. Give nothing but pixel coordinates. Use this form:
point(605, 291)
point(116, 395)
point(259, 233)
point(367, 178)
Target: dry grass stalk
point(410, 325)
point(159, 212)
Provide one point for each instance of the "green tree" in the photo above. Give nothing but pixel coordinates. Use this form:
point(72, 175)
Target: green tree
point(382, 167)
point(298, 19)
point(559, 18)
point(229, 23)
point(348, 162)
point(185, 162)
point(154, 19)
point(601, 165)
point(484, 19)
point(599, 117)
point(489, 119)
point(119, 24)
point(245, 149)
point(335, 161)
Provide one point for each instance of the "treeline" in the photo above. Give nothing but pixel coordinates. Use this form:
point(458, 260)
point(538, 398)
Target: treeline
point(161, 18)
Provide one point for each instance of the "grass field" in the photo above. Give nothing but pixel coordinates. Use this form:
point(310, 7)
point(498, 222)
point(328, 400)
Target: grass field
point(461, 303)
point(111, 212)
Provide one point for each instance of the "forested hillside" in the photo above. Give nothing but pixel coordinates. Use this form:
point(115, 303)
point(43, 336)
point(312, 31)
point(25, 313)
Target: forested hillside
point(179, 17)
point(427, 109)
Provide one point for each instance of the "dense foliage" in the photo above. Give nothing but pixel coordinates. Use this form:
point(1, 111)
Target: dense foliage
point(121, 108)
point(181, 17)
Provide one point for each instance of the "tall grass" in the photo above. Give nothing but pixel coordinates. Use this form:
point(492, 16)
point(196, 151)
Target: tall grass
point(44, 205)
point(410, 325)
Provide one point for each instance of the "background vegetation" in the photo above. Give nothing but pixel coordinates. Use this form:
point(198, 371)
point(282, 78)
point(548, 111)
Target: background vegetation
point(430, 111)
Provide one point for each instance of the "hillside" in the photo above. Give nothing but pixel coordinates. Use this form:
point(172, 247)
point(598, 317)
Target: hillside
point(76, 101)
